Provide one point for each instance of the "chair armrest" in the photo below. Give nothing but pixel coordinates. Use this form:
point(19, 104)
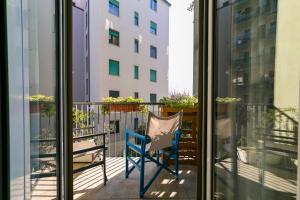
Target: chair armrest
point(134, 134)
point(177, 137)
point(137, 148)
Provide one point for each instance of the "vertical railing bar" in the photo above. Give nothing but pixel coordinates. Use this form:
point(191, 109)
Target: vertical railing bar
point(115, 113)
point(158, 110)
point(136, 116)
point(76, 119)
point(125, 126)
point(87, 118)
point(98, 117)
point(120, 132)
point(81, 110)
point(109, 145)
point(103, 123)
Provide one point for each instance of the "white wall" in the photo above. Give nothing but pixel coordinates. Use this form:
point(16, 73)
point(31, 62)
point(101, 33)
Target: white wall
point(101, 51)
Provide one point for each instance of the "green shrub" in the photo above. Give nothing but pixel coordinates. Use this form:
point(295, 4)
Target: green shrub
point(227, 100)
point(125, 100)
point(180, 101)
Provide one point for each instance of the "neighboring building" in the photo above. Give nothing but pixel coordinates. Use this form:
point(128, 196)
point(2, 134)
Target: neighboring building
point(253, 50)
point(129, 49)
point(80, 51)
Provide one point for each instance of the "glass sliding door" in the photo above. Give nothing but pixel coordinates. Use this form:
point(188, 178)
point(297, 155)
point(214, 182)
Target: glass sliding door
point(33, 100)
point(256, 99)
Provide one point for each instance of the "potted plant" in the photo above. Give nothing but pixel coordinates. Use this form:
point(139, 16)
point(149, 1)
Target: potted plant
point(123, 104)
point(179, 102)
point(40, 103)
point(188, 104)
point(224, 102)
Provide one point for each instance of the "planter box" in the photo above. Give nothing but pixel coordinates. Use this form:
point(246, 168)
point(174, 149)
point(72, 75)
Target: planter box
point(35, 107)
point(187, 145)
point(222, 108)
point(123, 108)
point(165, 109)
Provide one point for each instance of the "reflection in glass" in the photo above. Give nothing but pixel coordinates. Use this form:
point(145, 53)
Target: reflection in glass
point(256, 99)
point(32, 93)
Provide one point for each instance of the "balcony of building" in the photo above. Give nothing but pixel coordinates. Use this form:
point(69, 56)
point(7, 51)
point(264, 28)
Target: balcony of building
point(96, 124)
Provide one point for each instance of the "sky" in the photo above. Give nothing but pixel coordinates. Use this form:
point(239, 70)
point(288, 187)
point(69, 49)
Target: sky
point(181, 47)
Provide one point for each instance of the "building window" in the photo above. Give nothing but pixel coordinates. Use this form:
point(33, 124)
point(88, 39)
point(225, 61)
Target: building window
point(136, 72)
point(153, 5)
point(136, 18)
point(113, 93)
point(136, 123)
point(152, 98)
point(114, 7)
point(114, 37)
point(153, 27)
point(114, 68)
point(262, 31)
point(153, 77)
point(136, 95)
point(87, 86)
point(114, 126)
point(153, 52)
point(274, 5)
point(136, 45)
point(273, 28)
point(86, 42)
point(86, 20)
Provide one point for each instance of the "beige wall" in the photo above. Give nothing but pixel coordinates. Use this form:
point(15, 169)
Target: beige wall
point(287, 61)
point(101, 51)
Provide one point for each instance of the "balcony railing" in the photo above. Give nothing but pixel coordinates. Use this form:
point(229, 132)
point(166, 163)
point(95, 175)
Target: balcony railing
point(112, 118)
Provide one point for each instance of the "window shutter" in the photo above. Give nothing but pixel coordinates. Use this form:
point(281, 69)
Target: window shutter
point(153, 75)
point(114, 68)
point(136, 72)
point(113, 33)
point(115, 2)
point(153, 25)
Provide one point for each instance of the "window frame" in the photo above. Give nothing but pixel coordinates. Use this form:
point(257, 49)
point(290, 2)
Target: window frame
point(114, 7)
point(136, 18)
point(136, 45)
point(153, 48)
point(153, 5)
point(151, 97)
point(153, 28)
point(114, 37)
point(109, 67)
point(136, 95)
point(114, 91)
point(153, 72)
point(136, 72)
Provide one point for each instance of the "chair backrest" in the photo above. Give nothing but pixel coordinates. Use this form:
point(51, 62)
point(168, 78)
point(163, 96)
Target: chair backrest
point(161, 130)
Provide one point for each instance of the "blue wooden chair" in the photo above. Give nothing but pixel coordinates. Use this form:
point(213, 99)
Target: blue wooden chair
point(162, 137)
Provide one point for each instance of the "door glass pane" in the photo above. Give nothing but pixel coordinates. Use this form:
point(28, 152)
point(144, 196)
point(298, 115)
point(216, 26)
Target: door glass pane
point(32, 98)
point(256, 99)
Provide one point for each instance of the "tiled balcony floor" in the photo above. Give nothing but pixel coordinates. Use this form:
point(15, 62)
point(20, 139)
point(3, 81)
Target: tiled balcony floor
point(89, 184)
point(164, 187)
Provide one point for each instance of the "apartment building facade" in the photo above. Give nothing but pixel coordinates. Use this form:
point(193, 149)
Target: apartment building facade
point(129, 49)
point(80, 40)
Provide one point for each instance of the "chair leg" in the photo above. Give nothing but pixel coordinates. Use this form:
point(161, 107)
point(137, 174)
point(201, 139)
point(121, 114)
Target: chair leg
point(177, 164)
point(142, 173)
point(157, 158)
point(126, 162)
